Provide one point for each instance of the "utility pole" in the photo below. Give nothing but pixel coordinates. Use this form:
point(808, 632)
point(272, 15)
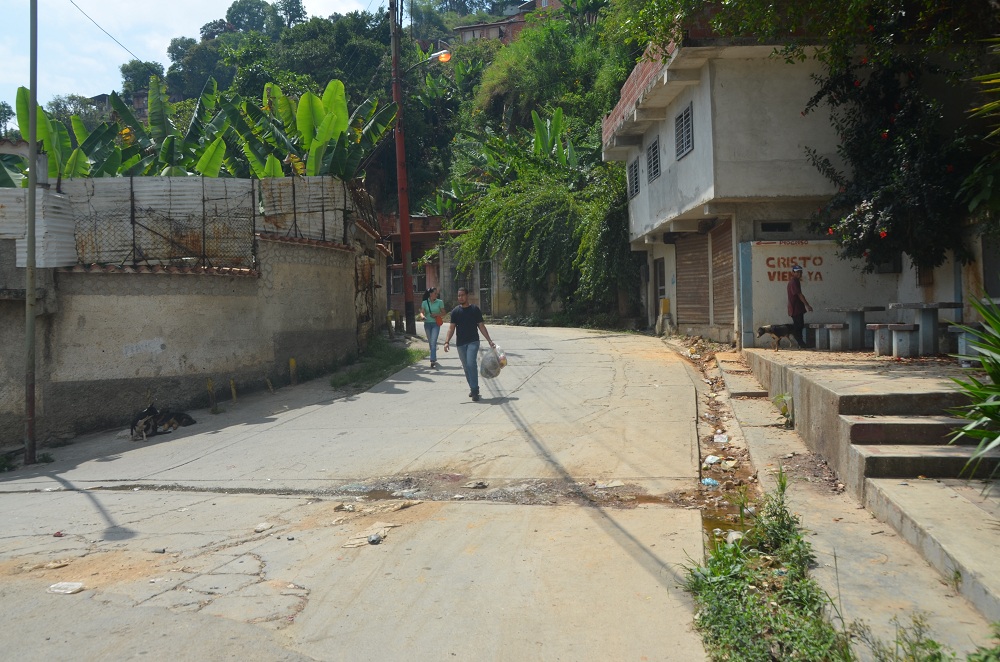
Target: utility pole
point(29, 271)
point(401, 183)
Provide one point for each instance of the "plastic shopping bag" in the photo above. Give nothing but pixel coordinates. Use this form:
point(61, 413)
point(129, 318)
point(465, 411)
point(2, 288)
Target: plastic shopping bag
point(492, 362)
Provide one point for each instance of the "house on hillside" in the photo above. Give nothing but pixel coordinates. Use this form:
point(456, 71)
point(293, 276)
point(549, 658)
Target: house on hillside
point(721, 193)
point(506, 29)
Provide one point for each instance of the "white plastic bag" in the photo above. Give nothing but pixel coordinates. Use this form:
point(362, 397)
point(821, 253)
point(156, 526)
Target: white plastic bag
point(492, 362)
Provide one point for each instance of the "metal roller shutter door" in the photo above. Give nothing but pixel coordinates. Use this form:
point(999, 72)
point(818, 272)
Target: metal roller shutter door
point(692, 279)
point(722, 275)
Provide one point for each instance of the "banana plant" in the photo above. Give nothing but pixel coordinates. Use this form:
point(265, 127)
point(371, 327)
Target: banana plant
point(53, 139)
point(548, 140)
point(312, 136)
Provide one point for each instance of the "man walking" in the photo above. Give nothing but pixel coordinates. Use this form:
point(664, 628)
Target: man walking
point(467, 322)
point(797, 305)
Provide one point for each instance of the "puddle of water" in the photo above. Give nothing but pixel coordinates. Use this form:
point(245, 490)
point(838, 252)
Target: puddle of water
point(720, 520)
point(652, 498)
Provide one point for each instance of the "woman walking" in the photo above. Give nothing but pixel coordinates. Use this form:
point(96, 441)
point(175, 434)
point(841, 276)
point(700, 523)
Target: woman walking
point(432, 311)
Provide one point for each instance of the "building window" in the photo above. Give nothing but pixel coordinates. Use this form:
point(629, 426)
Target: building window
point(684, 133)
point(653, 160)
point(633, 178)
point(420, 279)
point(396, 286)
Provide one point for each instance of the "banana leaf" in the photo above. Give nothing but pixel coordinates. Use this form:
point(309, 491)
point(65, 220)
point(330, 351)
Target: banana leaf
point(212, 158)
point(10, 175)
point(77, 165)
point(309, 116)
point(172, 155)
point(22, 117)
point(109, 163)
point(204, 109)
point(79, 130)
point(58, 146)
point(282, 107)
point(335, 104)
point(129, 120)
point(160, 125)
point(273, 167)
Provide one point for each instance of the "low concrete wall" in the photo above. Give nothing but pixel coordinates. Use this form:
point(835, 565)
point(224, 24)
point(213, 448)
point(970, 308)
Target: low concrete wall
point(119, 336)
point(817, 413)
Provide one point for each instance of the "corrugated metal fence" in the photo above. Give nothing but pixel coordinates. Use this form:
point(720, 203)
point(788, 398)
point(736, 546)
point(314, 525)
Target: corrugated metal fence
point(201, 221)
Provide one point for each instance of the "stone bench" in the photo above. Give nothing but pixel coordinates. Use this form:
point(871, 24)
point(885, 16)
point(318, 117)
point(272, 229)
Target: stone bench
point(831, 336)
point(839, 340)
point(905, 340)
point(966, 351)
point(883, 338)
point(821, 337)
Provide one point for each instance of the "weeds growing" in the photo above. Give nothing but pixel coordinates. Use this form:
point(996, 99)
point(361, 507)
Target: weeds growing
point(380, 359)
point(756, 601)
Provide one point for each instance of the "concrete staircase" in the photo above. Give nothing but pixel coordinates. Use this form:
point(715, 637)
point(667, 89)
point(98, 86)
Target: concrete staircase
point(871, 423)
point(895, 446)
point(884, 428)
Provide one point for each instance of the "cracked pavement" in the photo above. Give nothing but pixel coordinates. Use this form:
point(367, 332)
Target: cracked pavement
point(513, 527)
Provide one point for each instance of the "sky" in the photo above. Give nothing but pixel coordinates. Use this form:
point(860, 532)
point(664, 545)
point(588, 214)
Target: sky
point(76, 57)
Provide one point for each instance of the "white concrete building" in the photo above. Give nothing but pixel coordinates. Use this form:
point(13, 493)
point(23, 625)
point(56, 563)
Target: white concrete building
point(721, 194)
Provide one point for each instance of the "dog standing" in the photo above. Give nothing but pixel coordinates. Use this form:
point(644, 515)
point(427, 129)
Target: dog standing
point(777, 332)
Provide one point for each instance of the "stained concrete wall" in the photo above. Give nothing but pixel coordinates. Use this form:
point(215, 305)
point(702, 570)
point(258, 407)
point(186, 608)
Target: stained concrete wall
point(115, 338)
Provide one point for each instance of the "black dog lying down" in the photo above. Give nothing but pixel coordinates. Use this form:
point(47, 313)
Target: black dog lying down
point(777, 332)
point(149, 422)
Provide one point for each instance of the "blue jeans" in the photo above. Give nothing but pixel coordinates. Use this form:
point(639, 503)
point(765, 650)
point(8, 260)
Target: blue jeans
point(433, 331)
point(468, 354)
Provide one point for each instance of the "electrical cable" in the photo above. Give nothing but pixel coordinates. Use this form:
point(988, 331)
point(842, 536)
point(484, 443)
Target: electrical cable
point(105, 31)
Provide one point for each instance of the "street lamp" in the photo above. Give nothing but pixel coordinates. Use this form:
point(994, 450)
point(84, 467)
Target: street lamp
point(401, 183)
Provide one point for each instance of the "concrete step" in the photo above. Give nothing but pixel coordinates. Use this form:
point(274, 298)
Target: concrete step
point(909, 402)
point(902, 429)
point(913, 460)
point(953, 524)
point(743, 385)
point(740, 382)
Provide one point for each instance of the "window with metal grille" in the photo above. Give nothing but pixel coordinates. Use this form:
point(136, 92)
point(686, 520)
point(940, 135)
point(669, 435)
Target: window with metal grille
point(683, 133)
point(633, 178)
point(653, 160)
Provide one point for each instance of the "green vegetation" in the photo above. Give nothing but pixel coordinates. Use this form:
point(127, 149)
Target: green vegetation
point(379, 360)
point(756, 602)
point(755, 598)
point(983, 410)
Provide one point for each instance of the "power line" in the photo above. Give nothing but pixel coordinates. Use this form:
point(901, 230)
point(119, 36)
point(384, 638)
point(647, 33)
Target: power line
point(105, 31)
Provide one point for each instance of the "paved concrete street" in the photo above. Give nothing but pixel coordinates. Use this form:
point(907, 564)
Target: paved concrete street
point(246, 535)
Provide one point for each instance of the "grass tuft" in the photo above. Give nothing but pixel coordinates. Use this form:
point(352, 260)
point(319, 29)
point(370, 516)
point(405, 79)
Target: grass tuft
point(380, 359)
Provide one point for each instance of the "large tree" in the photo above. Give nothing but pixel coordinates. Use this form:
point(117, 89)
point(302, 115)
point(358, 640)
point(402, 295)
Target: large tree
point(291, 12)
point(136, 75)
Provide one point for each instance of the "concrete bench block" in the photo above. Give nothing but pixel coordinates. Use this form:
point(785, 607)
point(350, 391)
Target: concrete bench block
point(905, 340)
point(821, 336)
point(964, 340)
point(883, 339)
point(839, 339)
